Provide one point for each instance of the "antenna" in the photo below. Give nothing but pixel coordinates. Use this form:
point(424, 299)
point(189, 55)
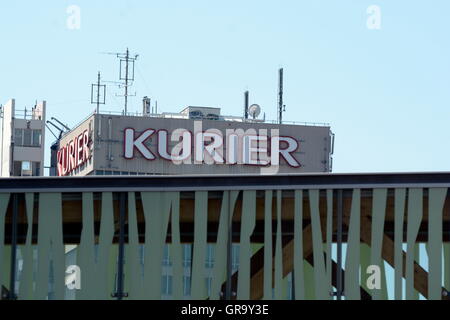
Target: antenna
point(62, 124)
point(51, 131)
point(254, 111)
point(146, 106)
point(281, 106)
point(127, 75)
point(97, 98)
point(61, 131)
point(246, 95)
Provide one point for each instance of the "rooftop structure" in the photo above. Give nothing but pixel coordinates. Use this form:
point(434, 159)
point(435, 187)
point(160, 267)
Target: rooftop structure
point(22, 137)
point(197, 140)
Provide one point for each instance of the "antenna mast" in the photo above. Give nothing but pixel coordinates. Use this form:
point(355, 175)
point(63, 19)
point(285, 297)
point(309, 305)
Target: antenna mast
point(281, 106)
point(128, 75)
point(97, 98)
point(246, 94)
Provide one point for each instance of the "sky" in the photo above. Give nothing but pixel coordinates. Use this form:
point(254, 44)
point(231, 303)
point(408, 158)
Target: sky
point(385, 92)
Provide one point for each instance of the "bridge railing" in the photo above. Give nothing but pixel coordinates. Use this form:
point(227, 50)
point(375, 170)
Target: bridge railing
point(323, 236)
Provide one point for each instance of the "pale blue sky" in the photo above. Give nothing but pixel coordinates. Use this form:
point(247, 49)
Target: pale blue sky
point(384, 92)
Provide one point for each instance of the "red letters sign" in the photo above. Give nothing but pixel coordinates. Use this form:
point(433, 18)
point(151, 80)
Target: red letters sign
point(74, 154)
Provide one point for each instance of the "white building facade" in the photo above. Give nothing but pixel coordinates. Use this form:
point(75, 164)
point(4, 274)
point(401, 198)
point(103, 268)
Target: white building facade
point(22, 140)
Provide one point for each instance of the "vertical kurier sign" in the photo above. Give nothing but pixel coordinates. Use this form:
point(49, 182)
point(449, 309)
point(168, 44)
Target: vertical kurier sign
point(74, 154)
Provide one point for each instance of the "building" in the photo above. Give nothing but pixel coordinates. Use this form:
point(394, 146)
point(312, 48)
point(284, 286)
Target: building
point(146, 144)
point(198, 140)
point(22, 137)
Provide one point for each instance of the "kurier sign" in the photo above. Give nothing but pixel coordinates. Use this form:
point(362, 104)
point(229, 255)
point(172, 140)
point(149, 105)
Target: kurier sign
point(74, 154)
point(207, 147)
point(181, 146)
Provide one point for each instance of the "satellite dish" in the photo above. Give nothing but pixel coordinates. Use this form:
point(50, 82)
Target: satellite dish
point(254, 111)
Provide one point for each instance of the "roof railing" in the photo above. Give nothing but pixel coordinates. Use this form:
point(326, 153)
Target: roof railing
point(27, 114)
point(171, 115)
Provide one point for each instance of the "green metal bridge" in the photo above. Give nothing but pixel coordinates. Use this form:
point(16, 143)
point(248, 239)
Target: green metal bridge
point(327, 231)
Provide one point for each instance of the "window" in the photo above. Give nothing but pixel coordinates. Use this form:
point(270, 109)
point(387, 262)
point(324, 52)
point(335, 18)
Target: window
point(27, 137)
point(187, 255)
point(18, 137)
point(142, 257)
point(235, 257)
point(37, 136)
point(209, 256)
point(26, 166)
point(36, 169)
point(290, 294)
point(208, 286)
point(27, 169)
point(17, 172)
point(166, 258)
point(186, 286)
point(166, 285)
